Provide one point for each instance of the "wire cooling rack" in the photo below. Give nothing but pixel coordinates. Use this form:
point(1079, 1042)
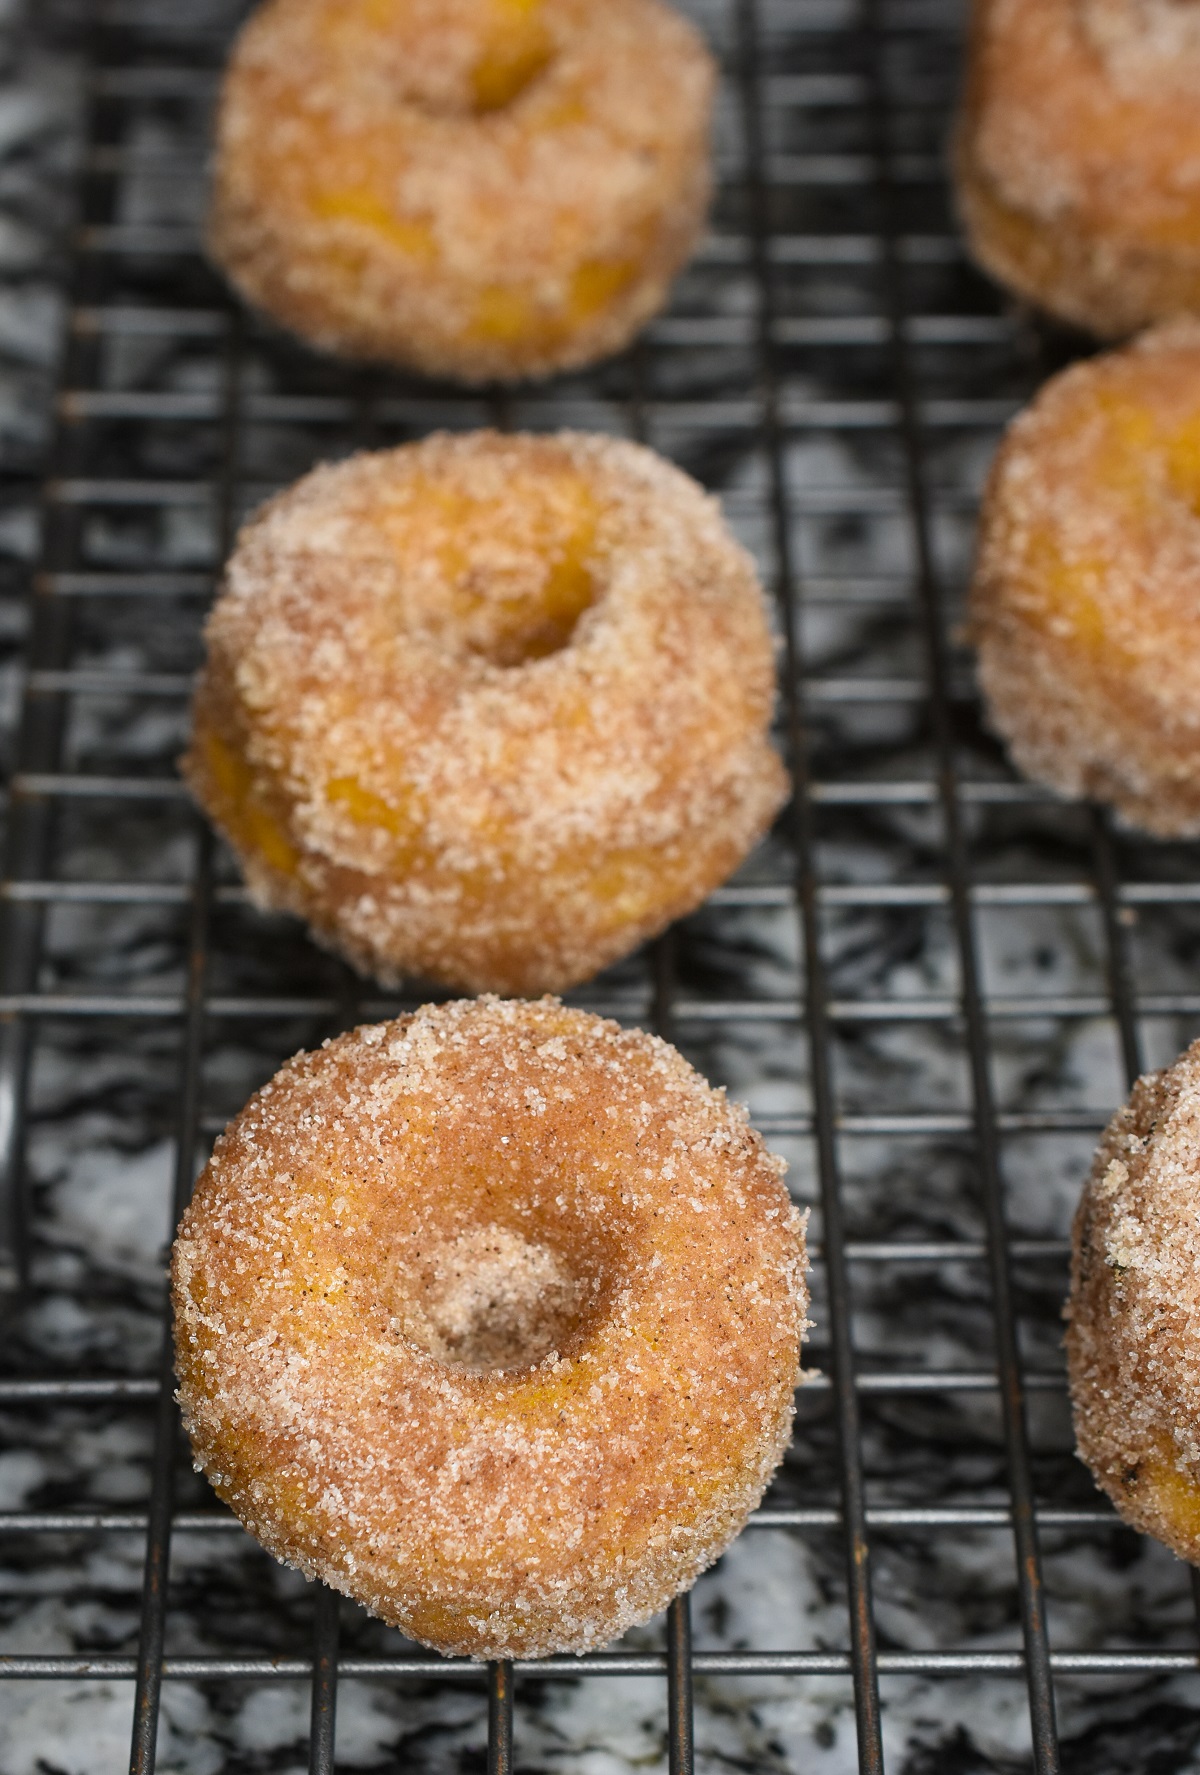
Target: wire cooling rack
point(932, 985)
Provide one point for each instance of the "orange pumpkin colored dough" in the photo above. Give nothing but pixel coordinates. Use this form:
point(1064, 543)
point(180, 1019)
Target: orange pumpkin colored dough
point(481, 189)
point(1077, 156)
point(1086, 600)
point(490, 1317)
point(488, 710)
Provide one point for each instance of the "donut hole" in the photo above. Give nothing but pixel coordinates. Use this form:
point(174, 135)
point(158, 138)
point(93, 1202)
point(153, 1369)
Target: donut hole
point(509, 66)
point(503, 576)
point(491, 1298)
point(471, 58)
point(514, 623)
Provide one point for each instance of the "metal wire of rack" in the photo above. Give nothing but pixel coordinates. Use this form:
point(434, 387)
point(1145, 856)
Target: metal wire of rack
point(837, 372)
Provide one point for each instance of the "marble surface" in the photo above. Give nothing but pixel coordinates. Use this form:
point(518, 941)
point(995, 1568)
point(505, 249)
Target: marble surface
point(105, 1090)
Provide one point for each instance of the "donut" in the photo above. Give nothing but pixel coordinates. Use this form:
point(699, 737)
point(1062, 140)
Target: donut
point(1076, 156)
point(489, 1317)
point(480, 189)
point(489, 710)
point(1133, 1335)
point(1086, 599)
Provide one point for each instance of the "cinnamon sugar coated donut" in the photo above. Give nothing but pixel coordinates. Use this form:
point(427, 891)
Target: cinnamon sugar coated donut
point(1078, 156)
point(490, 1318)
point(490, 710)
point(1133, 1338)
point(1086, 602)
point(483, 189)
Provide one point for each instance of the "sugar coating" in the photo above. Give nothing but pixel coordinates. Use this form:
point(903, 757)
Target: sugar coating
point(372, 1238)
point(1086, 600)
point(484, 189)
point(1147, 46)
point(389, 765)
point(1078, 156)
point(1133, 1338)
